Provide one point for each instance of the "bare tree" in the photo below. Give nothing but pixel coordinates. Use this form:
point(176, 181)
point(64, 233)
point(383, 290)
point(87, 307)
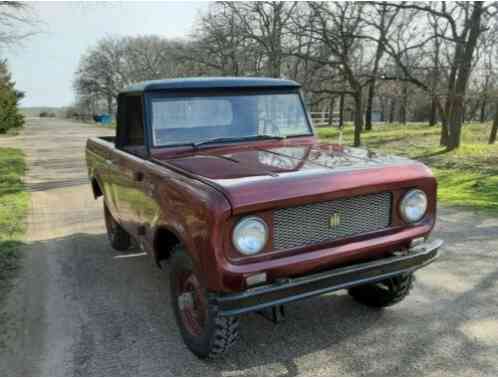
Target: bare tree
point(459, 25)
point(102, 72)
point(381, 18)
point(483, 80)
point(116, 62)
point(338, 28)
point(150, 57)
point(17, 22)
point(435, 70)
point(220, 44)
point(464, 51)
point(264, 22)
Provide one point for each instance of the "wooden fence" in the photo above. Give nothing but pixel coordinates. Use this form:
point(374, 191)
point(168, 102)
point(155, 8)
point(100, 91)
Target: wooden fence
point(325, 119)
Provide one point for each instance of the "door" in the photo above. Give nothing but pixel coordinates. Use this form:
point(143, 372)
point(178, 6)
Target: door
point(128, 164)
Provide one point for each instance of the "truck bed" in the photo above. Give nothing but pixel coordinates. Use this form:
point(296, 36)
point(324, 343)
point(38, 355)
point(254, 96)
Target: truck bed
point(105, 146)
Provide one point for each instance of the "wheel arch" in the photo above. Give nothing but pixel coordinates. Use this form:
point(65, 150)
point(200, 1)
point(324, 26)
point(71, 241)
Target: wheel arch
point(164, 240)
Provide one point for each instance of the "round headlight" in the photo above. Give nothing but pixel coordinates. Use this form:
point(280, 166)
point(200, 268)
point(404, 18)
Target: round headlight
point(250, 235)
point(413, 206)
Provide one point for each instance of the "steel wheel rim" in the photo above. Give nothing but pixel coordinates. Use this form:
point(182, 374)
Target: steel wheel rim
point(191, 303)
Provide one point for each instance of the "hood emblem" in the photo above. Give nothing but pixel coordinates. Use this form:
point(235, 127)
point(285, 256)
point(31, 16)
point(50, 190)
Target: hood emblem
point(334, 220)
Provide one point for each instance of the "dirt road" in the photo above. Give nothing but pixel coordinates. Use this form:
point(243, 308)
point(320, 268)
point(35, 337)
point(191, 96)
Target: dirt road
point(79, 308)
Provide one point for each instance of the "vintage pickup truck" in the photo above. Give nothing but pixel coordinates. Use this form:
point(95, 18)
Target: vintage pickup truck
point(224, 183)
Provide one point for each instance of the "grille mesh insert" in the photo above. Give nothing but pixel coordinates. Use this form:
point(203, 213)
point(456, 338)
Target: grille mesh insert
point(310, 224)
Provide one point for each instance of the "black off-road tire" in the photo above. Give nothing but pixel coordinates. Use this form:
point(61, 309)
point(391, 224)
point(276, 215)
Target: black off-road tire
point(385, 293)
point(120, 239)
point(218, 333)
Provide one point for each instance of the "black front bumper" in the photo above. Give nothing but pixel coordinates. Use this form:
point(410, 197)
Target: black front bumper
point(294, 289)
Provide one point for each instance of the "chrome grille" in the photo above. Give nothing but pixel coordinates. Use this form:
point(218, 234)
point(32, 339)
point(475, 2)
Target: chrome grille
point(310, 224)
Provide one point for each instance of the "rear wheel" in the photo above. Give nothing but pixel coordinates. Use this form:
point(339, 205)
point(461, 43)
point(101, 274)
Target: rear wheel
point(384, 293)
point(120, 239)
point(204, 331)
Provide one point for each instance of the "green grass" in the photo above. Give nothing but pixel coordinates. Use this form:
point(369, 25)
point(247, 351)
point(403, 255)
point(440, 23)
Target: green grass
point(467, 177)
point(13, 209)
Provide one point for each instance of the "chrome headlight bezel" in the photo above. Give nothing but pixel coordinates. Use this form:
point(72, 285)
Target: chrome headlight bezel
point(406, 208)
point(243, 225)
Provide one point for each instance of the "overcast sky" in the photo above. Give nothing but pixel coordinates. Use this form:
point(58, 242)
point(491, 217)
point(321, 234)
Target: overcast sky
point(44, 66)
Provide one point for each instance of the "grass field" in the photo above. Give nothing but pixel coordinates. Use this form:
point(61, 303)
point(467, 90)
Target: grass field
point(13, 209)
point(467, 177)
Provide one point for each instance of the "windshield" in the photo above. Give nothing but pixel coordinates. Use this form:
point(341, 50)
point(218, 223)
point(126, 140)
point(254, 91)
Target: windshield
point(198, 119)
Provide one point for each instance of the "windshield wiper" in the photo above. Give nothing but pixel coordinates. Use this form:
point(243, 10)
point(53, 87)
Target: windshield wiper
point(236, 139)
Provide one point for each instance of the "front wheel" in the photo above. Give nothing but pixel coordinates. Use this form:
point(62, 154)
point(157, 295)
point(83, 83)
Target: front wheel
point(204, 331)
point(384, 293)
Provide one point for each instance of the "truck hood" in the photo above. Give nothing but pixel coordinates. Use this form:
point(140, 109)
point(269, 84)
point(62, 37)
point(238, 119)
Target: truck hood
point(254, 178)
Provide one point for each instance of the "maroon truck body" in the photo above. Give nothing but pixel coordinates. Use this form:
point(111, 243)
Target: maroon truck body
point(194, 196)
point(199, 196)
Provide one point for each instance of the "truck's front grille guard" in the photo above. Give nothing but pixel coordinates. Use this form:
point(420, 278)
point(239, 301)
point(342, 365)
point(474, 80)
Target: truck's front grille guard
point(311, 224)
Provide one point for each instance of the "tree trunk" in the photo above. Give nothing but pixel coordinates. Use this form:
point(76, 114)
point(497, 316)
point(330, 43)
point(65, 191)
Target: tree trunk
point(455, 117)
point(371, 89)
point(382, 110)
point(445, 132)
point(341, 111)
point(433, 115)
point(368, 113)
point(471, 111)
point(455, 121)
point(404, 105)
point(443, 141)
point(275, 67)
point(435, 80)
point(392, 110)
point(494, 129)
point(109, 104)
point(482, 117)
point(331, 111)
point(443, 115)
point(358, 119)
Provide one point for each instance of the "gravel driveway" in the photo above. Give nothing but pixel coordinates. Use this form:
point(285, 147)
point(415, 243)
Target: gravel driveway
point(80, 308)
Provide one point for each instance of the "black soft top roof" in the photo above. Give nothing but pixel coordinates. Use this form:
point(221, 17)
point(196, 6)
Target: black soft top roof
point(193, 83)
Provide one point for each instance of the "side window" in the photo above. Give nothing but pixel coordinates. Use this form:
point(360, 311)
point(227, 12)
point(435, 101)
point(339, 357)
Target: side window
point(131, 126)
